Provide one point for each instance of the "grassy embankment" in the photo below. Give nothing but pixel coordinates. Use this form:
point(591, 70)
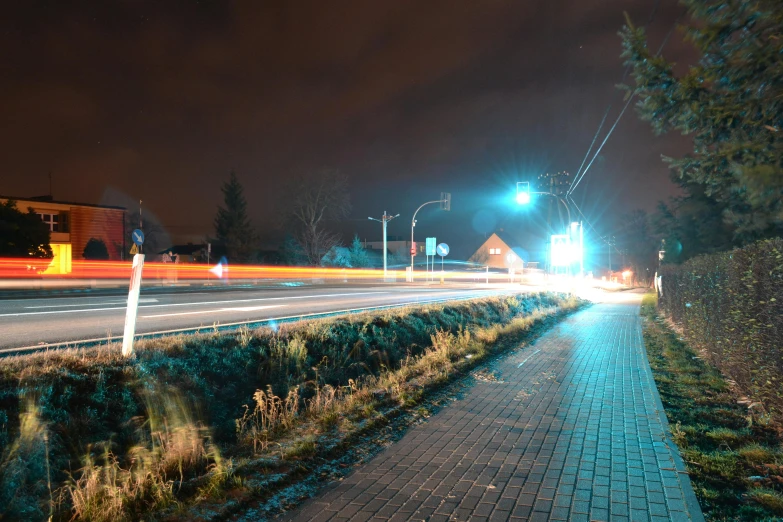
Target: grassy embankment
point(731, 448)
point(201, 425)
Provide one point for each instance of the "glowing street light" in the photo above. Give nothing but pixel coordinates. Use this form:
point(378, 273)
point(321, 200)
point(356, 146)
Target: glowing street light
point(523, 192)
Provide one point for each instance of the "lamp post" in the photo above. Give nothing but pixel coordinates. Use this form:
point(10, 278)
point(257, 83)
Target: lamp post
point(384, 220)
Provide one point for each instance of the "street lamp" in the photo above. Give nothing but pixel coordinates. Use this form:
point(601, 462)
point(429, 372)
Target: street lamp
point(385, 219)
point(523, 192)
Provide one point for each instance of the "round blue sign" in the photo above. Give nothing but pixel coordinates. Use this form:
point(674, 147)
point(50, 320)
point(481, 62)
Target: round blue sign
point(138, 237)
point(443, 249)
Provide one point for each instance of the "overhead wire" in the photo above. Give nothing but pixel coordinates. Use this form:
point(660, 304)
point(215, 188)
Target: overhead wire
point(609, 107)
point(622, 112)
point(580, 175)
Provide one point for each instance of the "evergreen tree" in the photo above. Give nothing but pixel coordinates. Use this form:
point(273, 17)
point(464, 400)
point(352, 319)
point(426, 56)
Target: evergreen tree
point(232, 226)
point(730, 102)
point(359, 257)
point(23, 234)
point(291, 253)
point(95, 249)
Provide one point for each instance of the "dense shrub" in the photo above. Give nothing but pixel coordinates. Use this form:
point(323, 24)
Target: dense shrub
point(730, 305)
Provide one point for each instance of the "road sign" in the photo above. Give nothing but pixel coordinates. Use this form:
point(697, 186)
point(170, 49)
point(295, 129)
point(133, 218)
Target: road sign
point(134, 250)
point(138, 237)
point(443, 249)
point(431, 246)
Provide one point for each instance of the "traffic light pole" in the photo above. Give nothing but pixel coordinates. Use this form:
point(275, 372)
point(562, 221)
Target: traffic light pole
point(446, 198)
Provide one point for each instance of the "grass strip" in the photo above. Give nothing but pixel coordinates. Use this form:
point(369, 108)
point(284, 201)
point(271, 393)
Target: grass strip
point(732, 450)
point(349, 428)
point(86, 434)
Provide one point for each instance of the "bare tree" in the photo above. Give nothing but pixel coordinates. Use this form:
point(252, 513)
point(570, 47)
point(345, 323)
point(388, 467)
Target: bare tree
point(311, 202)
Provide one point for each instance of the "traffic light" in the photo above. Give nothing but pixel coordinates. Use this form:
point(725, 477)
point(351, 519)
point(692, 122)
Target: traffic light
point(445, 200)
point(523, 192)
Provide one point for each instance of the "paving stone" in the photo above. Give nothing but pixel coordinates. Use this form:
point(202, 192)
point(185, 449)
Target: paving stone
point(572, 430)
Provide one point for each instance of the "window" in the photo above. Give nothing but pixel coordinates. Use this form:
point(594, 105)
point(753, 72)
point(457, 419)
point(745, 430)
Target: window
point(55, 222)
point(494, 251)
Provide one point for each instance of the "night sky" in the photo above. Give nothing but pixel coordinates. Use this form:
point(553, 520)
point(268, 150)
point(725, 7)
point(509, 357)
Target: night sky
point(128, 100)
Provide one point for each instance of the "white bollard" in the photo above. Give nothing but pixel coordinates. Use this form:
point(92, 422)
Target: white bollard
point(133, 305)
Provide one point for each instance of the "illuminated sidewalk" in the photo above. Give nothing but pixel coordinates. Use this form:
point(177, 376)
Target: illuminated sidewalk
point(572, 430)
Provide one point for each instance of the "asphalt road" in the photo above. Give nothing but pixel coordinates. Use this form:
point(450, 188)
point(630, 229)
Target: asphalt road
point(34, 322)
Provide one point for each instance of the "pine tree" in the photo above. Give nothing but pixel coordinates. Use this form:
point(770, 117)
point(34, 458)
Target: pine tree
point(232, 225)
point(291, 253)
point(730, 102)
point(359, 257)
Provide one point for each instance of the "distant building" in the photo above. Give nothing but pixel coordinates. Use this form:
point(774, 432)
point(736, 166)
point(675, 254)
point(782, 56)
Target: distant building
point(395, 245)
point(496, 252)
point(72, 225)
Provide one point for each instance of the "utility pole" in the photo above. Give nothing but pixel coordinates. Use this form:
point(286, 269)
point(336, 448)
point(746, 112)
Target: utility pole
point(384, 220)
point(610, 243)
point(557, 185)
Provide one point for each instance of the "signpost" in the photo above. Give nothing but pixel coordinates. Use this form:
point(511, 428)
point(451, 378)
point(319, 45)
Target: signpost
point(443, 251)
point(133, 294)
point(431, 252)
point(138, 237)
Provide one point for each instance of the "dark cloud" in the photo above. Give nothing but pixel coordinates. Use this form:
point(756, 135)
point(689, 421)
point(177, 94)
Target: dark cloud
point(159, 100)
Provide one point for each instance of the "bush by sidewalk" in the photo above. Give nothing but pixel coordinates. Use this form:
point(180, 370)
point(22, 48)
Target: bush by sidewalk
point(730, 306)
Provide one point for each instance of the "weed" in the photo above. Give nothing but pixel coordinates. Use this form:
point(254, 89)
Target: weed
point(727, 436)
point(244, 336)
point(174, 445)
point(770, 499)
point(25, 474)
point(302, 448)
point(756, 453)
point(270, 415)
point(329, 420)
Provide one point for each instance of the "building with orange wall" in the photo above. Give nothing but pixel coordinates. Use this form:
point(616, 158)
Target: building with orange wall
point(72, 225)
point(495, 252)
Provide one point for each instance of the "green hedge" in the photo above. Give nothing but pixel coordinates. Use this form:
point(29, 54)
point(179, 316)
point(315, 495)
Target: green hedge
point(731, 305)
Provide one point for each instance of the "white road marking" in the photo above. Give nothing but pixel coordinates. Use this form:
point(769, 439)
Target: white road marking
point(142, 300)
point(20, 314)
point(255, 300)
point(240, 309)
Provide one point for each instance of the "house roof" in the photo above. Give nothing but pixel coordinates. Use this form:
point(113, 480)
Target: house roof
point(49, 199)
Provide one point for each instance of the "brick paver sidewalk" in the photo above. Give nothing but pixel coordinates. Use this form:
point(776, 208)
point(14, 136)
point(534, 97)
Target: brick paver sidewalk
point(572, 430)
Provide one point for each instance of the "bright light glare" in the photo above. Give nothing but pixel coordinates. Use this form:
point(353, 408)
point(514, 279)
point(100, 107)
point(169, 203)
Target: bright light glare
point(523, 198)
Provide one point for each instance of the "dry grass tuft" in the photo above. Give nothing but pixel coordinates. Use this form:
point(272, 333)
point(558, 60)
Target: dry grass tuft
point(271, 415)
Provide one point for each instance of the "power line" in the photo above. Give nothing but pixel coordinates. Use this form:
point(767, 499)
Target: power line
point(627, 104)
point(581, 175)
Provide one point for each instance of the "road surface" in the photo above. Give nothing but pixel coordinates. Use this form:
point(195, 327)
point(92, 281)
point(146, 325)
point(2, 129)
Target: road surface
point(36, 322)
